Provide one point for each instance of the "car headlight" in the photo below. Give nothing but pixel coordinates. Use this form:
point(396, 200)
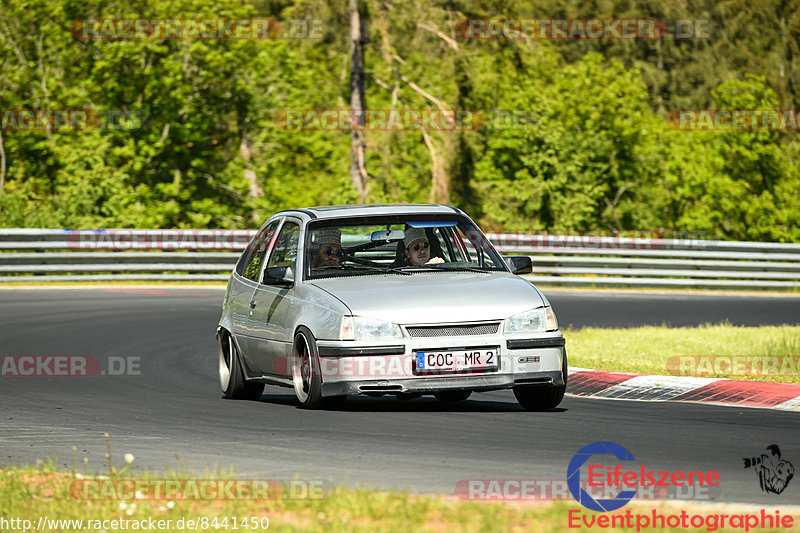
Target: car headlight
point(536, 320)
point(363, 328)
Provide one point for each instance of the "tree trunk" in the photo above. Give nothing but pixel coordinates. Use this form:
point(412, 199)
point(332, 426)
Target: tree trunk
point(2, 162)
point(358, 171)
point(246, 151)
point(439, 190)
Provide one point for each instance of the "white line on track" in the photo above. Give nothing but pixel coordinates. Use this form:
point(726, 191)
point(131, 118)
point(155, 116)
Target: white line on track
point(654, 387)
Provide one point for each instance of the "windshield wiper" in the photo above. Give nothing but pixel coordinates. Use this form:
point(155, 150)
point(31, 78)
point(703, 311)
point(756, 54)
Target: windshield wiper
point(383, 269)
point(456, 268)
point(364, 267)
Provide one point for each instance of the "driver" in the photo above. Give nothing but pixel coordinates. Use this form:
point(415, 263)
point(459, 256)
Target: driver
point(326, 247)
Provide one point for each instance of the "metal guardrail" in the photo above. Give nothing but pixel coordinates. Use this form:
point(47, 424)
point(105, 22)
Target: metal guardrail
point(565, 260)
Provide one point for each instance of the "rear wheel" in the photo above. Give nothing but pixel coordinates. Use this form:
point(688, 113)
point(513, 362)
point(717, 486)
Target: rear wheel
point(453, 395)
point(231, 375)
point(542, 398)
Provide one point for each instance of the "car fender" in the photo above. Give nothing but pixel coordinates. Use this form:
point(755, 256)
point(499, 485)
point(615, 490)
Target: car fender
point(318, 310)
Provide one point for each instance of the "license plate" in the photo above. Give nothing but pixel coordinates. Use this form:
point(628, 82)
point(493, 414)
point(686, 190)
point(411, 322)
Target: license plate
point(455, 361)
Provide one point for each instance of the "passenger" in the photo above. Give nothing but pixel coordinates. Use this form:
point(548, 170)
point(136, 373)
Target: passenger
point(417, 246)
point(326, 247)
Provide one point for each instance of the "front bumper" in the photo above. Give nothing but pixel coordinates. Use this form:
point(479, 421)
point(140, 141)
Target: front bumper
point(429, 385)
point(350, 368)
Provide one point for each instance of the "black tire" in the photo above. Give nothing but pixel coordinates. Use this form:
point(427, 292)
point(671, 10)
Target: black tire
point(231, 375)
point(306, 374)
point(453, 395)
point(542, 398)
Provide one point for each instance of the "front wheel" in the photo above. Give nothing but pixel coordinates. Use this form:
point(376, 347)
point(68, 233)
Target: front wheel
point(306, 375)
point(231, 374)
point(542, 398)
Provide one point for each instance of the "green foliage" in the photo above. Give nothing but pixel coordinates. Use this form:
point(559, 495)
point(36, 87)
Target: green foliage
point(588, 146)
point(734, 184)
point(584, 159)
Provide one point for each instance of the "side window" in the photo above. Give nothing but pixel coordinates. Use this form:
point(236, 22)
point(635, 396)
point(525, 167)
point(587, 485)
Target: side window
point(473, 246)
point(257, 250)
point(285, 252)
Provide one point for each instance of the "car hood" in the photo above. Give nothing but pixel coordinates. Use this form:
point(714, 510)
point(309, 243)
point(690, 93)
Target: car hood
point(434, 297)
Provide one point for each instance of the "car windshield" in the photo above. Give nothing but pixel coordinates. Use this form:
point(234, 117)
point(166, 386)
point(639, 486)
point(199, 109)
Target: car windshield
point(403, 245)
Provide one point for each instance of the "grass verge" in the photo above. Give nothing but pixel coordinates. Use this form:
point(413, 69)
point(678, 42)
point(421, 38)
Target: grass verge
point(766, 353)
point(36, 493)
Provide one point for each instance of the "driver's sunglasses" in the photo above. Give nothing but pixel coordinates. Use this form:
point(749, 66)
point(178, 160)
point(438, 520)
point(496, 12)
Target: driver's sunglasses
point(424, 246)
point(337, 252)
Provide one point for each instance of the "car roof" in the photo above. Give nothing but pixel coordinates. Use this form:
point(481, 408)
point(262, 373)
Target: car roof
point(363, 210)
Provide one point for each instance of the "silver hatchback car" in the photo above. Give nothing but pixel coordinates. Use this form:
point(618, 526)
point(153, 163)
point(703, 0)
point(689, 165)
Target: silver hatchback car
point(398, 299)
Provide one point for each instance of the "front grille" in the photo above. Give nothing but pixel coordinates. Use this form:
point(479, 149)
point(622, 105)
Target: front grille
point(487, 328)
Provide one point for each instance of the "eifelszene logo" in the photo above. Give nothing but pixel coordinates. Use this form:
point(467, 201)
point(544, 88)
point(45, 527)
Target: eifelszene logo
point(601, 475)
point(574, 476)
point(774, 472)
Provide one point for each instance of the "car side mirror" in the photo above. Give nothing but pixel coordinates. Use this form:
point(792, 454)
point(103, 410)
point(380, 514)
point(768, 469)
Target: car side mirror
point(279, 275)
point(520, 264)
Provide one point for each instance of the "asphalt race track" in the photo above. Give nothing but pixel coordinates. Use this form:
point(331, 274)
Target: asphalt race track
point(172, 412)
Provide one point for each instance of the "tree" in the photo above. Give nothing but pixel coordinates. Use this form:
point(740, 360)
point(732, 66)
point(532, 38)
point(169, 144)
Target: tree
point(358, 171)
